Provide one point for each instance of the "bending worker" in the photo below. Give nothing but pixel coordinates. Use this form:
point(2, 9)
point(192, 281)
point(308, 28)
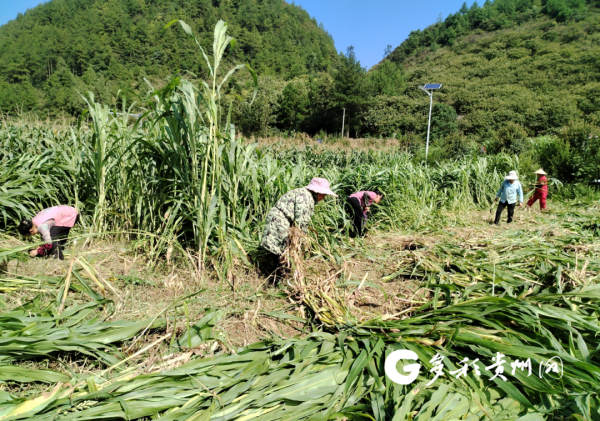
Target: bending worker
point(541, 190)
point(361, 202)
point(295, 207)
point(510, 191)
point(54, 225)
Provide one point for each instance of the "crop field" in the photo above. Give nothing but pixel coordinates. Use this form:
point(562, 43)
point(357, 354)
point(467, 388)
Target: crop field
point(160, 312)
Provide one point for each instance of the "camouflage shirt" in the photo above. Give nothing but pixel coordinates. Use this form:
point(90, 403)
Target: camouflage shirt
point(296, 206)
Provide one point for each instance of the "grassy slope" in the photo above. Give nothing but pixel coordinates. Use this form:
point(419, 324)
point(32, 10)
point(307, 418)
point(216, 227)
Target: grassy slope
point(534, 77)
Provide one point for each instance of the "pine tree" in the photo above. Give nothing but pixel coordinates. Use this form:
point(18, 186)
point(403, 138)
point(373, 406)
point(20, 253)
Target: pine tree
point(351, 86)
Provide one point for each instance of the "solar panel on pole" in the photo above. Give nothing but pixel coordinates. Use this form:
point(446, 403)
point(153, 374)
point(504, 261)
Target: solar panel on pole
point(433, 86)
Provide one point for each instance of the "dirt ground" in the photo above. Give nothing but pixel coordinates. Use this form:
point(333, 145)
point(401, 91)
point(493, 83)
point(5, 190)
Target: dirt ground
point(255, 306)
point(144, 293)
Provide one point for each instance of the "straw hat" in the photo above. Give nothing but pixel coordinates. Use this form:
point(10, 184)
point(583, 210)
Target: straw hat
point(320, 185)
point(512, 176)
point(540, 172)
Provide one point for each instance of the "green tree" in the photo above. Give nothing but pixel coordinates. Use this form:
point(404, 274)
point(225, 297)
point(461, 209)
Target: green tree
point(351, 89)
point(293, 106)
point(388, 78)
point(60, 94)
point(322, 100)
point(16, 97)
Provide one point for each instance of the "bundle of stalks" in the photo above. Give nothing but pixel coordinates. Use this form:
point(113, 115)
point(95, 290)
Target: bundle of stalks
point(80, 276)
point(320, 294)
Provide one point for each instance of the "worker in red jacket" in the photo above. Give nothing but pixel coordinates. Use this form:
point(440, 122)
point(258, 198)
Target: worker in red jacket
point(541, 190)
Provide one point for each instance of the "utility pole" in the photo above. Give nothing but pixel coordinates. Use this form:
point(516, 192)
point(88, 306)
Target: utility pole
point(343, 120)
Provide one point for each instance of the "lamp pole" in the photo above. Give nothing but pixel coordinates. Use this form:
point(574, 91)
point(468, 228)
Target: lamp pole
point(431, 86)
point(428, 123)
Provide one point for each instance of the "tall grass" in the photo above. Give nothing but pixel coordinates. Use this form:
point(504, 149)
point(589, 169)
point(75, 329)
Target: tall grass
point(154, 182)
point(155, 178)
point(179, 172)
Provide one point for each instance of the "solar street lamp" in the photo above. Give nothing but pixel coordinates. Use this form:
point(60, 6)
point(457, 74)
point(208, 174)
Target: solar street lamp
point(431, 87)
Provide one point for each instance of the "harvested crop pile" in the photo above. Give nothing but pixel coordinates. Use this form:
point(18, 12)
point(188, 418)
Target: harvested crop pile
point(526, 353)
point(326, 375)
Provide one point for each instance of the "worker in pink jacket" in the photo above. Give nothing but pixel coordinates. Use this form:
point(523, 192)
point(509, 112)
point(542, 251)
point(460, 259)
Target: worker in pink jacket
point(54, 225)
point(361, 202)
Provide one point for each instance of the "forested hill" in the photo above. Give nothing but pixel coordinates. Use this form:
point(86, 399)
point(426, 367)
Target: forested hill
point(106, 45)
point(510, 69)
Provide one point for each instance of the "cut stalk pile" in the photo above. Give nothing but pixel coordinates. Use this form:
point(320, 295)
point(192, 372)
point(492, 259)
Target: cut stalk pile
point(342, 375)
point(28, 332)
point(524, 261)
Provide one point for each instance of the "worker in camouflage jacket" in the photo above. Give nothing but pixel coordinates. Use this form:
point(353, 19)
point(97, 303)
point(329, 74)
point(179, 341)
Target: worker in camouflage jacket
point(295, 207)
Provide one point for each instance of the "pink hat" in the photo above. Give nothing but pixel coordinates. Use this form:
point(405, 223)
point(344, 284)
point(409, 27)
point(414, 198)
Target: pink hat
point(320, 185)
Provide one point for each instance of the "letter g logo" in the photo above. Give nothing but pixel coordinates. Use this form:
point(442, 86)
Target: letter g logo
point(392, 372)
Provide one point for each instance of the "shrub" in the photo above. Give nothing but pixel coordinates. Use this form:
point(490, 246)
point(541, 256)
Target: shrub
point(443, 121)
point(512, 137)
point(558, 159)
point(457, 145)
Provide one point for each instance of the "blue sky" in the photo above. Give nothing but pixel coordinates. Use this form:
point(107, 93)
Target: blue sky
point(369, 25)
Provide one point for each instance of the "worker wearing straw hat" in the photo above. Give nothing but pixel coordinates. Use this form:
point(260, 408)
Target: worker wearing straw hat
point(295, 207)
point(541, 190)
point(509, 194)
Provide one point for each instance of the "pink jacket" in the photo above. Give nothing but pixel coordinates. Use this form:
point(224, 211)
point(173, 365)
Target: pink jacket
point(64, 216)
point(359, 195)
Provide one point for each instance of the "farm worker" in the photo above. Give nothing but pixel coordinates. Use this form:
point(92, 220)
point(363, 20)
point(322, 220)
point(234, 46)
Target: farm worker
point(295, 207)
point(361, 202)
point(53, 224)
point(541, 190)
point(510, 191)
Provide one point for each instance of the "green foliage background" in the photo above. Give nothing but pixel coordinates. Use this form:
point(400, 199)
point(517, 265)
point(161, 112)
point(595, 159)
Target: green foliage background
point(110, 45)
point(512, 70)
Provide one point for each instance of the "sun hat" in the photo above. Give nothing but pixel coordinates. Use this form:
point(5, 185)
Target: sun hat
point(512, 176)
point(540, 172)
point(320, 185)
